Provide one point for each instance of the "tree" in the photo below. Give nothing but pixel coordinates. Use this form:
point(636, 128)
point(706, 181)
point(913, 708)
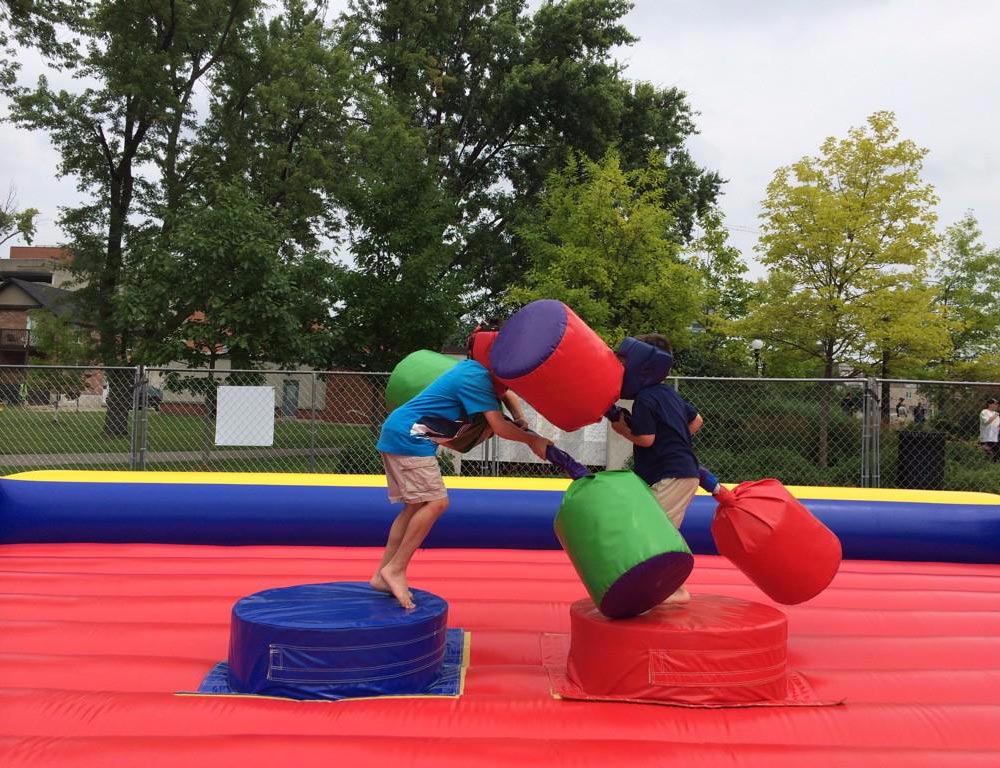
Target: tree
point(281, 108)
point(404, 292)
point(31, 23)
point(245, 292)
point(261, 173)
point(57, 341)
point(843, 233)
point(904, 330)
point(139, 67)
point(968, 281)
point(497, 99)
point(724, 298)
point(14, 222)
point(601, 244)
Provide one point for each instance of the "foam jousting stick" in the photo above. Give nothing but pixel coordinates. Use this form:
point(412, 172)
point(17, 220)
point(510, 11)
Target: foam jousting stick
point(773, 539)
point(566, 463)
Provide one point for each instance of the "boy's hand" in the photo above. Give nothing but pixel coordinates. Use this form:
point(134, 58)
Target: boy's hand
point(539, 445)
point(521, 422)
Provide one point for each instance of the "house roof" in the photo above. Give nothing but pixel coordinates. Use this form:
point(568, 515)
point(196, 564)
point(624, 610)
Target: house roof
point(58, 301)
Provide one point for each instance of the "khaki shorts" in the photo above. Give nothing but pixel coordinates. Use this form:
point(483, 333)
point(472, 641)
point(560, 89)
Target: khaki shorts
point(674, 495)
point(413, 479)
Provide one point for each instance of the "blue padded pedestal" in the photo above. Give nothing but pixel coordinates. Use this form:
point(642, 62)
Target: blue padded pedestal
point(337, 640)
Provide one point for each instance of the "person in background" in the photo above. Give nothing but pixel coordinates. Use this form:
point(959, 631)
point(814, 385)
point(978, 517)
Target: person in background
point(989, 430)
point(919, 413)
point(901, 409)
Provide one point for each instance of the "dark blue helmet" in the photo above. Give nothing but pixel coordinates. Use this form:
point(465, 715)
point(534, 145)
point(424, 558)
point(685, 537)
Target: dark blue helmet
point(645, 365)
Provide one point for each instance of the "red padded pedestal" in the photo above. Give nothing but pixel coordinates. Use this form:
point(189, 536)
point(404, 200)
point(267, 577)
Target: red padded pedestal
point(713, 650)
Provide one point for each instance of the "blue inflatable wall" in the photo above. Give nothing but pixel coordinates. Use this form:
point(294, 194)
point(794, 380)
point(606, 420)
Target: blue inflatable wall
point(350, 510)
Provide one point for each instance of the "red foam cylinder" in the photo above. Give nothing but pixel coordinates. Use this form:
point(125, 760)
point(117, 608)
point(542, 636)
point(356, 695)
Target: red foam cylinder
point(778, 543)
point(557, 363)
point(712, 651)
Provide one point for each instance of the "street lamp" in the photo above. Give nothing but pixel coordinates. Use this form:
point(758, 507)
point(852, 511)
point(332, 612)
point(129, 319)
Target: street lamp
point(756, 345)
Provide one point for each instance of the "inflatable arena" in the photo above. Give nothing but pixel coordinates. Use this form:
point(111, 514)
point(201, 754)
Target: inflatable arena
point(186, 619)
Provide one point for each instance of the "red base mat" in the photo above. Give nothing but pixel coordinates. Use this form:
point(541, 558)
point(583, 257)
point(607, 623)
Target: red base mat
point(714, 651)
point(94, 640)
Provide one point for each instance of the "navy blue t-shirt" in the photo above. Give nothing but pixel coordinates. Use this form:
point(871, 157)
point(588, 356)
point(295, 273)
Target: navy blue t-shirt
point(660, 411)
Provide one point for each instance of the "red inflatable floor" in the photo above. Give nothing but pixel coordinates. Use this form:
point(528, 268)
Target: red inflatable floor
point(95, 640)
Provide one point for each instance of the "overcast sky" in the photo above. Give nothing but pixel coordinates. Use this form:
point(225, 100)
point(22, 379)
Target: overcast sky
point(770, 80)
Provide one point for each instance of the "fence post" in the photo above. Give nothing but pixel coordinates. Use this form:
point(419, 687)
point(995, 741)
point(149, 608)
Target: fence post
point(312, 423)
point(133, 448)
point(870, 435)
point(876, 449)
point(143, 416)
point(864, 435)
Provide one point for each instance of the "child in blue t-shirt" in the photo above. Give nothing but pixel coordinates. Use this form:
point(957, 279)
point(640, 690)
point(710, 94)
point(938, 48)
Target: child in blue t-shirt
point(408, 443)
point(661, 426)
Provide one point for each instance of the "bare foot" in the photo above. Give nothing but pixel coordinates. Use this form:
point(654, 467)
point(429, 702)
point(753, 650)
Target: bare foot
point(379, 583)
point(680, 597)
point(398, 586)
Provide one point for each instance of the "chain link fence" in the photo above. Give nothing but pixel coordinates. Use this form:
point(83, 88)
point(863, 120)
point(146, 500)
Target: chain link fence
point(931, 435)
point(849, 432)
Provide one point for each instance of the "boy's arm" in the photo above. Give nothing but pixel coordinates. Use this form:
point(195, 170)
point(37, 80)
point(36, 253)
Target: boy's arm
point(620, 425)
point(696, 423)
point(510, 431)
point(513, 403)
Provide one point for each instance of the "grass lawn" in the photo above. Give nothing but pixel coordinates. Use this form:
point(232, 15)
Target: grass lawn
point(42, 432)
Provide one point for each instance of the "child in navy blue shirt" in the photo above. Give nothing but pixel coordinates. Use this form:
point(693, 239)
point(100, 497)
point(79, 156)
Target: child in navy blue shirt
point(661, 426)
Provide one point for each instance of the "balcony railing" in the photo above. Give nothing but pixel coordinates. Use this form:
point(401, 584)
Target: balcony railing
point(15, 338)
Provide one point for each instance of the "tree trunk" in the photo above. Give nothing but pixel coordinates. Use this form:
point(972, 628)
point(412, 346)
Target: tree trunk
point(121, 383)
point(120, 393)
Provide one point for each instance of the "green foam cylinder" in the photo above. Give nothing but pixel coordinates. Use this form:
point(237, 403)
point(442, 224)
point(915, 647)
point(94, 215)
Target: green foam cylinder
point(413, 373)
point(624, 548)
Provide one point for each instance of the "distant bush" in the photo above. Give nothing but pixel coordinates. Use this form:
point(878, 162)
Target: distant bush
point(359, 460)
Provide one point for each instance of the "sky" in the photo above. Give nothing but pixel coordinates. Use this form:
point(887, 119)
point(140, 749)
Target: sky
point(769, 81)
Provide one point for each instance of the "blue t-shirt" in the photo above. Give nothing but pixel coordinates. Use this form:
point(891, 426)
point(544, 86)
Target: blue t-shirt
point(660, 411)
point(417, 426)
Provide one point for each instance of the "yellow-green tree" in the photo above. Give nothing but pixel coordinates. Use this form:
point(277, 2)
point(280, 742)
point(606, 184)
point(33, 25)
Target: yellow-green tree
point(601, 243)
point(846, 237)
point(967, 276)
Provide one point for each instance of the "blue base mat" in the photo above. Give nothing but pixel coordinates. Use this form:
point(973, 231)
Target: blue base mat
point(449, 683)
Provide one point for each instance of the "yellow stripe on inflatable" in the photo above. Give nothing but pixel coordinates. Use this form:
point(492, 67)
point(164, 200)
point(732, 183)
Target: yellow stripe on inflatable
point(472, 483)
point(278, 478)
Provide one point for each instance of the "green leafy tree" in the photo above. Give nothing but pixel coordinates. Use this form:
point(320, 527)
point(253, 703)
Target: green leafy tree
point(968, 280)
point(497, 98)
point(281, 108)
point(404, 291)
point(262, 170)
point(601, 244)
point(138, 67)
point(31, 23)
point(903, 330)
point(724, 298)
point(247, 294)
point(842, 233)
point(15, 221)
point(57, 341)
